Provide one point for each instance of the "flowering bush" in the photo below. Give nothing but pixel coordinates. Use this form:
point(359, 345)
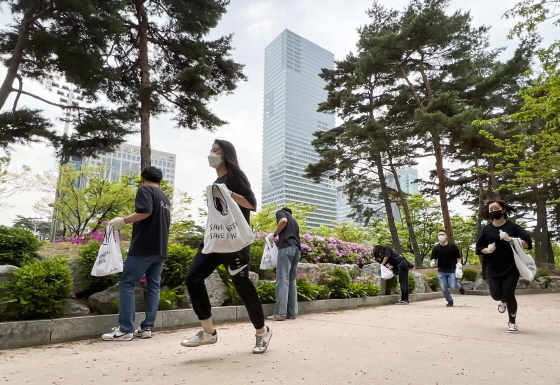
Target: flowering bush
point(96, 235)
point(317, 249)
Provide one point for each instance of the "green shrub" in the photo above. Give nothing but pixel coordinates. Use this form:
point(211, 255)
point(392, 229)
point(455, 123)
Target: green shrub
point(432, 280)
point(542, 272)
point(266, 291)
point(391, 284)
point(411, 282)
point(370, 288)
point(233, 296)
point(307, 291)
point(168, 299)
point(357, 290)
point(17, 246)
point(176, 266)
point(86, 260)
point(469, 275)
point(257, 250)
point(39, 288)
point(339, 283)
point(325, 292)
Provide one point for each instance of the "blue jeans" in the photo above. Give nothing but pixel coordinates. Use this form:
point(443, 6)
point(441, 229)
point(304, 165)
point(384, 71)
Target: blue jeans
point(133, 270)
point(286, 289)
point(446, 281)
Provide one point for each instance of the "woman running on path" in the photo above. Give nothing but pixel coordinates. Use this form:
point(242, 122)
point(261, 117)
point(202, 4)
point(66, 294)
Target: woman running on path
point(498, 264)
point(223, 158)
point(384, 255)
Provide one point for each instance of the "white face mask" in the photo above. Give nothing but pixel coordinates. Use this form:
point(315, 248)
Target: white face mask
point(214, 160)
point(441, 238)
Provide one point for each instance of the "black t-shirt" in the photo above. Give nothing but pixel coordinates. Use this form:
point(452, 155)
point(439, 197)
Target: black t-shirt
point(501, 261)
point(150, 235)
point(446, 256)
point(289, 236)
point(240, 185)
point(394, 258)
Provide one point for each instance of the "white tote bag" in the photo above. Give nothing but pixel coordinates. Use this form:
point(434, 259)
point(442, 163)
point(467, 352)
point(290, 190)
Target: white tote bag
point(270, 255)
point(109, 258)
point(227, 230)
point(524, 262)
point(459, 271)
point(386, 273)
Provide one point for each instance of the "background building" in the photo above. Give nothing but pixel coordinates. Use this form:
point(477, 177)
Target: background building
point(127, 159)
point(292, 92)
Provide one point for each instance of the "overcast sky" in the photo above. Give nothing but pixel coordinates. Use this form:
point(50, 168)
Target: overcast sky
point(331, 24)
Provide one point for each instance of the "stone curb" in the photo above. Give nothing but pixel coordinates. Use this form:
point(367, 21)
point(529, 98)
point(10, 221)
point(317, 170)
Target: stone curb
point(517, 292)
point(22, 334)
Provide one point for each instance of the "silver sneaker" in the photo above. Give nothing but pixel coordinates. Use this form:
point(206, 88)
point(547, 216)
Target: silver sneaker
point(201, 338)
point(276, 317)
point(512, 328)
point(263, 341)
point(143, 333)
point(117, 335)
point(502, 307)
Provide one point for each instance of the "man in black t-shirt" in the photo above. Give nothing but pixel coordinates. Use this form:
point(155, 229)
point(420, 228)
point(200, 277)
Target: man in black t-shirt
point(289, 252)
point(147, 252)
point(448, 258)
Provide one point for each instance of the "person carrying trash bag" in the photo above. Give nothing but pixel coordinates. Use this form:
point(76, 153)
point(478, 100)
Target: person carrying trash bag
point(498, 262)
point(146, 255)
point(289, 252)
point(384, 255)
point(447, 257)
point(223, 158)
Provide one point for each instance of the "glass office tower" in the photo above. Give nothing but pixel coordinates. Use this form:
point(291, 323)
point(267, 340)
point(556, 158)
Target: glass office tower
point(292, 92)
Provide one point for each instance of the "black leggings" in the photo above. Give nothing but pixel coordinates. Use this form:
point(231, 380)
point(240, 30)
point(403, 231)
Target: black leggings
point(238, 266)
point(502, 288)
point(403, 280)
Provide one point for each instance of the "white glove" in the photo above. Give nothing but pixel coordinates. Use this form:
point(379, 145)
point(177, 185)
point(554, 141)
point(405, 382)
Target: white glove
point(117, 223)
point(270, 237)
point(504, 236)
point(491, 247)
point(217, 193)
point(459, 265)
point(432, 263)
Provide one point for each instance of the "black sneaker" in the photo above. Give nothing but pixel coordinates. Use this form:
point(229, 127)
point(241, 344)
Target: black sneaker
point(462, 291)
point(449, 304)
point(401, 302)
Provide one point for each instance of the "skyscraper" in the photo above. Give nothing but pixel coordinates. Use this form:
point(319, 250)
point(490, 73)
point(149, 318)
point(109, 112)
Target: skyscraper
point(292, 92)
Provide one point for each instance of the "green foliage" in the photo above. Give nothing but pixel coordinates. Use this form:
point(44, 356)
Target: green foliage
point(176, 266)
point(266, 291)
point(86, 259)
point(168, 298)
point(432, 280)
point(39, 288)
point(307, 291)
point(233, 296)
point(257, 250)
point(542, 272)
point(339, 283)
point(391, 284)
point(469, 275)
point(264, 220)
point(411, 282)
point(114, 302)
point(357, 290)
point(17, 246)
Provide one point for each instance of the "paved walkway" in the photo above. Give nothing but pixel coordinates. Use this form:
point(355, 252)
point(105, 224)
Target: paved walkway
point(423, 343)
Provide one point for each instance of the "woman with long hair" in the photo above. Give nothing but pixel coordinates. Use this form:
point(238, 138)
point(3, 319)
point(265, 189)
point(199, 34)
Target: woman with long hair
point(223, 158)
point(384, 255)
point(498, 263)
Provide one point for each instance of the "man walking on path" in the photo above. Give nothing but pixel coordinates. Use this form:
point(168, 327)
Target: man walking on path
point(147, 252)
point(289, 252)
point(448, 258)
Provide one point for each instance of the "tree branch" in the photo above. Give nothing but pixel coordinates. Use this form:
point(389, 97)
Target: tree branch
point(49, 102)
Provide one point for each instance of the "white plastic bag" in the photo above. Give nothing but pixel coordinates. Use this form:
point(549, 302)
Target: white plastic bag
point(227, 230)
point(270, 255)
point(109, 258)
point(386, 273)
point(459, 271)
point(524, 262)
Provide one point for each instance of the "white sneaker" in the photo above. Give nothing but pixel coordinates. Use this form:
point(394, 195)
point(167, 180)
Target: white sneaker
point(276, 317)
point(143, 332)
point(201, 338)
point(262, 341)
point(502, 307)
point(512, 328)
point(117, 335)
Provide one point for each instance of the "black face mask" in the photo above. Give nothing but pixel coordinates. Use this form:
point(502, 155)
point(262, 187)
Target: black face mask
point(497, 214)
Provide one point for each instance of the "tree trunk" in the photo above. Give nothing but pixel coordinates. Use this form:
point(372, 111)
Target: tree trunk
point(388, 208)
point(17, 57)
point(418, 258)
point(145, 146)
point(541, 229)
point(442, 192)
point(549, 250)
